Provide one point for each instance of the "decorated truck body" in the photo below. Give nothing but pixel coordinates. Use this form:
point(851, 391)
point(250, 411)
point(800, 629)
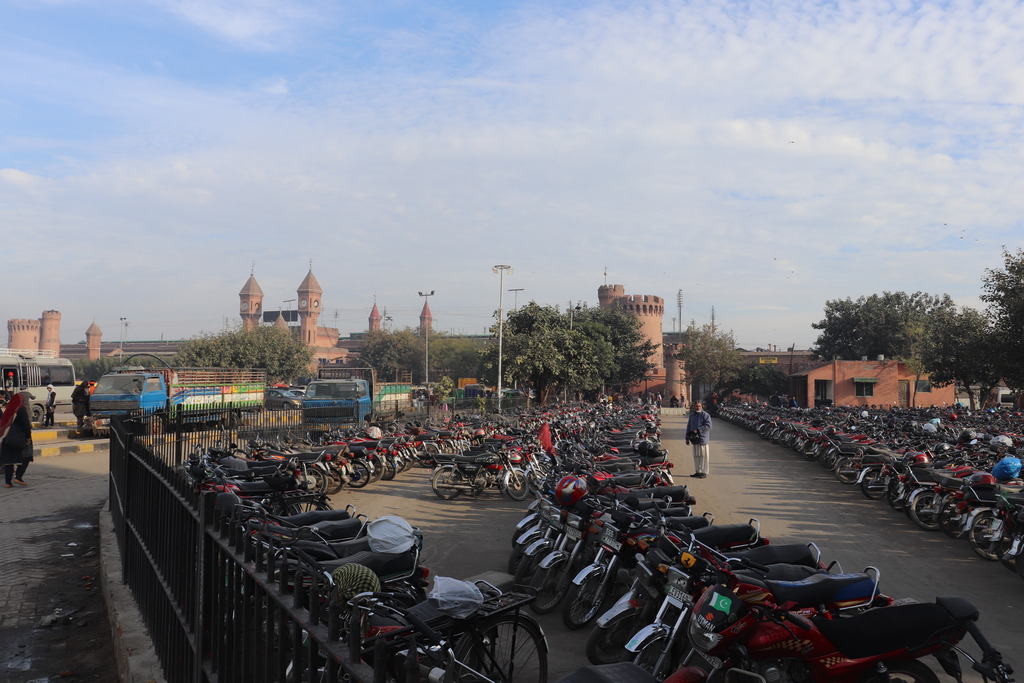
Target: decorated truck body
point(350, 396)
point(149, 390)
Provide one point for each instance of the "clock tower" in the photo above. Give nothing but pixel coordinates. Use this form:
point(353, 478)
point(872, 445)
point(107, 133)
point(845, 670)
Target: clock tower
point(250, 304)
point(309, 308)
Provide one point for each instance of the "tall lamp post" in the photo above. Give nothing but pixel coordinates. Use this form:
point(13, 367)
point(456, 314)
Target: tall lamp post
point(500, 270)
point(426, 342)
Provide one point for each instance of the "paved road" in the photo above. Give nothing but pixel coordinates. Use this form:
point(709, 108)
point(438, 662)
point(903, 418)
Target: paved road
point(795, 501)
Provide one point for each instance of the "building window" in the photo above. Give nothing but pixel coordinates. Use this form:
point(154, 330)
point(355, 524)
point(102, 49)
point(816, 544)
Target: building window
point(864, 388)
point(923, 386)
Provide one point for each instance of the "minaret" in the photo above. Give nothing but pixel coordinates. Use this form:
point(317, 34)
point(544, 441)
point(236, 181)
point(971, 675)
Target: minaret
point(93, 337)
point(426, 319)
point(309, 307)
point(375, 319)
point(250, 305)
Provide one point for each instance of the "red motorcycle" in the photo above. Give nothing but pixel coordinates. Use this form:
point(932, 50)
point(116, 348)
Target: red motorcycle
point(735, 636)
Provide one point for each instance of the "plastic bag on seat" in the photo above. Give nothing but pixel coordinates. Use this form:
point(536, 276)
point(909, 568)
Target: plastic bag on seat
point(390, 534)
point(454, 597)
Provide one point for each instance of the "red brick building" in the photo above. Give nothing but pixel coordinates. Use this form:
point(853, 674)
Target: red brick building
point(880, 383)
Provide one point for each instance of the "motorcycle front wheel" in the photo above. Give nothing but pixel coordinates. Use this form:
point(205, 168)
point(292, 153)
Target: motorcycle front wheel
point(873, 485)
point(551, 586)
point(910, 671)
point(360, 475)
point(922, 511)
point(846, 470)
point(607, 645)
point(515, 485)
point(583, 602)
point(443, 482)
point(981, 533)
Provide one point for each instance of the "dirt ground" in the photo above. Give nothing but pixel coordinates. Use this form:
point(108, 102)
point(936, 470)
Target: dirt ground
point(70, 640)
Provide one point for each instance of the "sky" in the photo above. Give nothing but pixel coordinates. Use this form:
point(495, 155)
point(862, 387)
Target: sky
point(761, 158)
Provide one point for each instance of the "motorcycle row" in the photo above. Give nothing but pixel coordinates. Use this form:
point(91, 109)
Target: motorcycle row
point(609, 543)
point(946, 471)
point(669, 595)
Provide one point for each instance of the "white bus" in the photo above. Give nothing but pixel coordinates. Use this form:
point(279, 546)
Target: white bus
point(36, 369)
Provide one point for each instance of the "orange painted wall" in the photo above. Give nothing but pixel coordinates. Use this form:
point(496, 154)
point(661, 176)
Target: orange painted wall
point(886, 390)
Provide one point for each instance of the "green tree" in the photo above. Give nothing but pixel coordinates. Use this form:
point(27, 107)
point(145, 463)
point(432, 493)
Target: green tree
point(621, 350)
point(454, 356)
point(711, 357)
point(961, 348)
point(391, 352)
point(762, 379)
point(1003, 291)
point(889, 324)
point(284, 356)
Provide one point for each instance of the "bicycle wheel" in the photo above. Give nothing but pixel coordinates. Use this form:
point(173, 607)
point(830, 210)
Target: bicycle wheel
point(506, 648)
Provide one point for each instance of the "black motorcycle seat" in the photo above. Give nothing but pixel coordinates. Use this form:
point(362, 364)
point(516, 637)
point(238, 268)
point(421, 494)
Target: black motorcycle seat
point(876, 459)
point(726, 534)
point(889, 629)
point(314, 517)
point(307, 457)
point(676, 494)
point(825, 588)
point(334, 550)
point(477, 459)
point(789, 553)
point(777, 572)
point(338, 529)
point(384, 565)
point(691, 522)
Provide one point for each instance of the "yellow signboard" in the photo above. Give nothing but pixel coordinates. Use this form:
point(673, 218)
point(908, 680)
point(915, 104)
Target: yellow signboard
point(766, 360)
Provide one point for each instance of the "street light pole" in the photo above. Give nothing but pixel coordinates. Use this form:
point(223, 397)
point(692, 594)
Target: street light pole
point(426, 343)
point(500, 270)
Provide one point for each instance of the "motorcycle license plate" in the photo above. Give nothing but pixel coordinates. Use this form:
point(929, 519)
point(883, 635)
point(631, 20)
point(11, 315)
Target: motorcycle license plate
point(610, 538)
point(573, 534)
point(712, 661)
point(678, 594)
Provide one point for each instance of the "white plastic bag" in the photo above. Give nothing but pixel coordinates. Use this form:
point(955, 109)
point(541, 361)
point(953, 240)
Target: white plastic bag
point(390, 534)
point(456, 598)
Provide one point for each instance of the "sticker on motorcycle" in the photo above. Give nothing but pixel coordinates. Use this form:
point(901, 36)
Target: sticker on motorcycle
point(722, 603)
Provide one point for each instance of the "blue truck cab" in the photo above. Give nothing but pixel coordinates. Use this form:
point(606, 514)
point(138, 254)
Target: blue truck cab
point(337, 401)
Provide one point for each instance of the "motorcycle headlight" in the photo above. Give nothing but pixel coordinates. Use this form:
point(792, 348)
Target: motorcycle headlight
point(701, 638)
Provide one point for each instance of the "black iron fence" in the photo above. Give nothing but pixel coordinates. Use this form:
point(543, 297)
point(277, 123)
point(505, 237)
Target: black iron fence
point(214, 613)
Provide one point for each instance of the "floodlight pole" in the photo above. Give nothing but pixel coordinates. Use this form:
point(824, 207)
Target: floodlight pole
point(500, 270)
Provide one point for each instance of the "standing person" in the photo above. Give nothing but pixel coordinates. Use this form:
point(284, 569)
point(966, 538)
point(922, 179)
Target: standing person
point(80, 402)
point(51, 406)
point(16, 447)
point(698, 434)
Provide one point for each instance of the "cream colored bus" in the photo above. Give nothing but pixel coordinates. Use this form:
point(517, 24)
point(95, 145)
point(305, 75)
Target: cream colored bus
point(37, 369)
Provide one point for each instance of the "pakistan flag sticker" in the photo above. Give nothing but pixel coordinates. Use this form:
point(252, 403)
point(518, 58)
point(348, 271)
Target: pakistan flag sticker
point(722, 603)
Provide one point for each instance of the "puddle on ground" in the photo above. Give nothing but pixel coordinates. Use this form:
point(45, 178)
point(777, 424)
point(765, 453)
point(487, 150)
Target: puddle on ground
point(84, 525)
point(45, 518)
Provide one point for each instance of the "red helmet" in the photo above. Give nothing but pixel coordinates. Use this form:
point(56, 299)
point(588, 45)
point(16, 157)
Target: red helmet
point(481, 432)
point(918, 458)
point(570, 489)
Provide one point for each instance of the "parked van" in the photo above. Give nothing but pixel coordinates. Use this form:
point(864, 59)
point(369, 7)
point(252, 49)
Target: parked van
point(36, 369)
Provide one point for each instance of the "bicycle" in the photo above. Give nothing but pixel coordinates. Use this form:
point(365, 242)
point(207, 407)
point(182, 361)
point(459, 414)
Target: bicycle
point(499, 643)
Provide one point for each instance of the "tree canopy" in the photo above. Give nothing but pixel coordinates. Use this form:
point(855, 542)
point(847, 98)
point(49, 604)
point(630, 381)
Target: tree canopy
point(711, 357)
point(890, 324)
point(284, 356)
point(391, 352)
point(960, 348)
point(582, 349)
point(1003, 291)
